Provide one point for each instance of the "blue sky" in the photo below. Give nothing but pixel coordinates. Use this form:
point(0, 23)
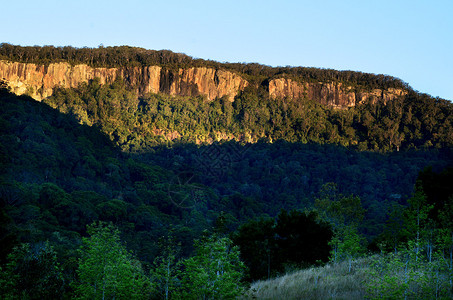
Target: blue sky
point(412, 40)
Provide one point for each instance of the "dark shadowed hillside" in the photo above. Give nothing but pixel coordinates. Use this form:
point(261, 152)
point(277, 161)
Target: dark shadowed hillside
point(268, 173)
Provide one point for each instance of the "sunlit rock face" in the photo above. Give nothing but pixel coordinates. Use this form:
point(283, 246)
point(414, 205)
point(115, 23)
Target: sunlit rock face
point(39, 81)
point(334, 94)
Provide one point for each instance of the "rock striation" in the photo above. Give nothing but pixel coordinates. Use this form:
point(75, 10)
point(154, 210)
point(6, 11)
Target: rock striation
point(39, 81)
point(333, 94)
point(212, 83)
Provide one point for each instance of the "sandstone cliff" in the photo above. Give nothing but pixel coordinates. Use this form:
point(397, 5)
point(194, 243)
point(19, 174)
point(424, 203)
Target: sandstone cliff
point(38, 81)
point(209, 82)
point(334, 94)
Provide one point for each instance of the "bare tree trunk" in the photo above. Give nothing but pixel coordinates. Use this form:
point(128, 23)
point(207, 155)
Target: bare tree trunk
point(268, 266)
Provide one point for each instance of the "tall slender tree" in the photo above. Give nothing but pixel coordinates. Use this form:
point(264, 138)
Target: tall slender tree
point(106, 269)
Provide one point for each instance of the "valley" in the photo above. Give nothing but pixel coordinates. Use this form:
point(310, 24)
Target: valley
point(169, 161)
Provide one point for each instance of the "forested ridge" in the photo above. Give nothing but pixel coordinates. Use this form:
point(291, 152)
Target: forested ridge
point(126, 56)
point(196, 199)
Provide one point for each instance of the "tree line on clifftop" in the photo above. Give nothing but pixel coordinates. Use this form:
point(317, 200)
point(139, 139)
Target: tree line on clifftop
point(126, 56)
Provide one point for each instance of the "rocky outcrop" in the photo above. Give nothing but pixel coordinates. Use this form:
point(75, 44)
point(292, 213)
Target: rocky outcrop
point(209, 82)
point(334, 94)
point(38, 81)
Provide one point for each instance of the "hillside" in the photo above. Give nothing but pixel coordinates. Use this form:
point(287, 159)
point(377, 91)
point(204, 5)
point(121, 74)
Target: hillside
point(38, 71)
point(166, 92)
point(335, 281)
point(256, 163)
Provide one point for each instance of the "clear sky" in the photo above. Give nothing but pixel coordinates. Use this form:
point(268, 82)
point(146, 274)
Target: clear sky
point(412, 40)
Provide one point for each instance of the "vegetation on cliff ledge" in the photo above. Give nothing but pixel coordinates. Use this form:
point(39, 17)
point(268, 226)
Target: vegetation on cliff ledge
point(138, 124)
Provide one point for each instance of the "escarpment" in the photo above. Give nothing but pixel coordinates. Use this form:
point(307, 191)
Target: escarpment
point(212, 83)
point(39, 81)
point(333, 94)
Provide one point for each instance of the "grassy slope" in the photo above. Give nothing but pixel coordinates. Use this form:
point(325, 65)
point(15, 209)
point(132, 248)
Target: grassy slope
point(374, 277)
point(332, 281)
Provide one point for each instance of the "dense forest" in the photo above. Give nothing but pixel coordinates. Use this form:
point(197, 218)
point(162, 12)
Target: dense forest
point(138, 124)
point(107, 194)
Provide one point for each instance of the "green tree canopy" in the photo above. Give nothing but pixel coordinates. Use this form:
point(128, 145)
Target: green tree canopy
point(106, 269)
point(32, 272)
point(215, 272)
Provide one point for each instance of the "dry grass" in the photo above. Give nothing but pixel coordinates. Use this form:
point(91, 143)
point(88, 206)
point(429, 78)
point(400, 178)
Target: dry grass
point(332, 281)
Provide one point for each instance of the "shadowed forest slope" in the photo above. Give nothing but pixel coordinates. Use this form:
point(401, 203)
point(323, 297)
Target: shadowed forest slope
point(259, 177)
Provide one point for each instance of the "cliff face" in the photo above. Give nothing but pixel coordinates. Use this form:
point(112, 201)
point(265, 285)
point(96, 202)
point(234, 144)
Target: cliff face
point(209, 82)
point(39, 81)
point(334, 94)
